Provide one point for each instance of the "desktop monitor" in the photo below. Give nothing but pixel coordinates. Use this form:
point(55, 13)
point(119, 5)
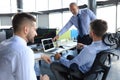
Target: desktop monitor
point(42, 34)
point(2, 35)
point(5, 34)
point(9, 33)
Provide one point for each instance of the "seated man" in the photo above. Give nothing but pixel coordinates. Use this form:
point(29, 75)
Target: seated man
point(86, 57)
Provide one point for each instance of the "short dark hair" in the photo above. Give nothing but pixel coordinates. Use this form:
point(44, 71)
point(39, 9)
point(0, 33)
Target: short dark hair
point(73, 3)
point(99, 27)
point(19, 18)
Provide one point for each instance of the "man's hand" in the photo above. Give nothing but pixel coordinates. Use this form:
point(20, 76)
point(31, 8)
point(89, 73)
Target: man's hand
point(57, 56)
point(46, 58)
point(56, 38)
point(80, 46)
point(44, 77)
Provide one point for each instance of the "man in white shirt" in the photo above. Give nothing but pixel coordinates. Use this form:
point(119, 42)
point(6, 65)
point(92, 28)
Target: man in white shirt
point(16, 58)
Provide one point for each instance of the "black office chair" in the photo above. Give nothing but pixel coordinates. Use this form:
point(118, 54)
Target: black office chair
point(97, 68)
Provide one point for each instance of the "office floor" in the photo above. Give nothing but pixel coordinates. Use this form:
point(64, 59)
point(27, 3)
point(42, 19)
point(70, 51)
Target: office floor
point(114, 73)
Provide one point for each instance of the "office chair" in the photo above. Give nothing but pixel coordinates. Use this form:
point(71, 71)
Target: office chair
point(97, 68)
point(112, 40)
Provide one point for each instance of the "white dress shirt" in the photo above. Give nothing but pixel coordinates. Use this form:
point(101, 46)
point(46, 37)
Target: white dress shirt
point(16, 60)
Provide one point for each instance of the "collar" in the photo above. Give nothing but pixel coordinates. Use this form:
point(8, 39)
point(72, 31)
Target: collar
point(19, 39)
point(96, 42)
point(79, 11)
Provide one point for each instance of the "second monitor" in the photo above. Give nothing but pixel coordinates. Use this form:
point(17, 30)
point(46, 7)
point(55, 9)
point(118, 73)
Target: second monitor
point(42, 34)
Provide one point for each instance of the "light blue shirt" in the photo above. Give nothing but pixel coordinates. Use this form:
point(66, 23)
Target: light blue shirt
point(16, 60)
point(86, 17)
point(86, 57)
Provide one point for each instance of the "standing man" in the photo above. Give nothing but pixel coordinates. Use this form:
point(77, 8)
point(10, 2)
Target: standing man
point(16, 58)
point(81, 19)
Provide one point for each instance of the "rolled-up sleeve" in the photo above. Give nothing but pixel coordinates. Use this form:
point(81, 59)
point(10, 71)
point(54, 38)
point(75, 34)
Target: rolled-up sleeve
point(79, 59)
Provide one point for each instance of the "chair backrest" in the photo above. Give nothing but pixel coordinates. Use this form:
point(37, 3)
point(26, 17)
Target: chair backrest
point(112, 40)
point(98, 66)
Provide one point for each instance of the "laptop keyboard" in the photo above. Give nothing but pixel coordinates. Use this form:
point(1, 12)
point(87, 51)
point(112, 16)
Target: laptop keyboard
point(53, 50)
point(37, 48)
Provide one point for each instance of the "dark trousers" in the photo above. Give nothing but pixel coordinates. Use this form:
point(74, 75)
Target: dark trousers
point(85, 39)
point(60, 71)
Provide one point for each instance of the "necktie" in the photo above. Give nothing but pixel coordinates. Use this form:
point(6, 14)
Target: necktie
point(80, 26)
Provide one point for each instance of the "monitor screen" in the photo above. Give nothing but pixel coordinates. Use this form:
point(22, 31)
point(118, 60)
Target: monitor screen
point(42, 34)
point(2, 35)
point(5, 34)
point(48, 44)
point(9, 33)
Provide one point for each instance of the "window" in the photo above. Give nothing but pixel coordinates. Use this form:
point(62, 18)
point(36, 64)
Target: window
point(108, 14)
point(8, 6)
point(118, 18)
point(66, 18)
point(101, 0)
point(67, 2)
point(13, 6)
point(82, 2)
point(5, 22)
point(55, 20)
point(28, 5)
point(55, 4)
point(42, 5)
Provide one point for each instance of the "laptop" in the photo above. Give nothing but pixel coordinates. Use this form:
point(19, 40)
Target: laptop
point(48, 46)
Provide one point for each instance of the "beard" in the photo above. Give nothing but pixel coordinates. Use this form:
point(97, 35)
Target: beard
point(30, 38)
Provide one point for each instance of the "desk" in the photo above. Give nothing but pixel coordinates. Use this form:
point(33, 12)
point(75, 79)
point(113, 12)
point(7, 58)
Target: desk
point(67, 45)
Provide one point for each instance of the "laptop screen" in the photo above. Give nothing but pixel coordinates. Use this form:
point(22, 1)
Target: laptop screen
point(47, 44)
